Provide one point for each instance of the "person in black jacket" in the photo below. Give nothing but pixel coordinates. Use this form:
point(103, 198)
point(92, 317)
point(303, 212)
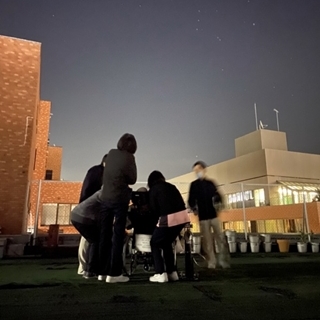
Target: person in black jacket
point(119, 173)
point(167, 205)
point(203, 196)
point(87, 252)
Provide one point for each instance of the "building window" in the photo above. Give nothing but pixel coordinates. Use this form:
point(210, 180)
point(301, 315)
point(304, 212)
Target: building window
point(49, 214)
point(49, 174)
point(56, 213)
point(235, 200)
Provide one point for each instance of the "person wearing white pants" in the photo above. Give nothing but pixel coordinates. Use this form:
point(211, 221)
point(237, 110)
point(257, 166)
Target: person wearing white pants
point(91, 184)
point(82, 254)
point(203, 196)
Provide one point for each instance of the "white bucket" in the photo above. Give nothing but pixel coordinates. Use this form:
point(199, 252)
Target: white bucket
point(267, 237)
point(196, 248)
point(232, 247)
point(143, 242)
point(315, 247)
point(302, 247)
point(243, 247)
point(230, 233)
point(254, 238)
point(254, 247)
point(196, 240)
point(231, 238)
point(267, 246)
point(196, 244)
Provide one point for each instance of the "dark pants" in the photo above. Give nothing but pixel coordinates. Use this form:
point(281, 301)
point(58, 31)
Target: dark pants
point(91, 234)
point(162, 240)
point(112, 223)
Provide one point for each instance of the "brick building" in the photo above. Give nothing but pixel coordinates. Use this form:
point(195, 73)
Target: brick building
point(26, 159)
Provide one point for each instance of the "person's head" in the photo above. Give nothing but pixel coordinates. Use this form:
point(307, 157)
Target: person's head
point(127, 143)
point(103, 161)
point(154, 178)
point(200, 168)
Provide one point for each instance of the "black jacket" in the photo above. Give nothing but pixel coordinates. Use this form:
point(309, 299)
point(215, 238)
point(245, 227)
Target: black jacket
point(202, 195)
point(92, 182)
point(165, 199)
point(119, 172)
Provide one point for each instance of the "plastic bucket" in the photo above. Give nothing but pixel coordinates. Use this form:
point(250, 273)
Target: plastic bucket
point(230, 233)
point(254, 238)
point(254, 247)
point(315, 247)
point(267, 237)
point(243, 247)
point(196, 244)
point(302, 247)
point(267, 246)
point(232, 247)
point(231, 238)
point(283, 245)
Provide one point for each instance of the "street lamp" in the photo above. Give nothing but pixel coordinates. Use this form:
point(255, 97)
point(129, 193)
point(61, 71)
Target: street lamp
point(277, 116)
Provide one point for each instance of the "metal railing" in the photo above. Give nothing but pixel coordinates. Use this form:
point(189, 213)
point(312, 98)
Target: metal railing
point(248, 208)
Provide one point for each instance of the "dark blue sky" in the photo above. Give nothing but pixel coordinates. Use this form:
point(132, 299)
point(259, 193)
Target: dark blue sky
point(181, 75)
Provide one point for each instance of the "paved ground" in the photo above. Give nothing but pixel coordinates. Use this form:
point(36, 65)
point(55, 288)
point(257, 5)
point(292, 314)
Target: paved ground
point(270, 286)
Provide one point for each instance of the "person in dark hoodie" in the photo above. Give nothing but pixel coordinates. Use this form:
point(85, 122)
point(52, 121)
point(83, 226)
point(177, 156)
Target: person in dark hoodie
point(119, 173)
point(87, 253)
point(167, 204)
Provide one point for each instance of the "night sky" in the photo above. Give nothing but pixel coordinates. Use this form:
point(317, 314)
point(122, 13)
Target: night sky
point(181, 75)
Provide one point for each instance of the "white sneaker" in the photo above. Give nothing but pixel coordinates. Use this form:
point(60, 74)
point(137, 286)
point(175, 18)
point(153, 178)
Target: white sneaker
point(117, 279)
point(102, 278)
point(173, 276)
point(161, 278)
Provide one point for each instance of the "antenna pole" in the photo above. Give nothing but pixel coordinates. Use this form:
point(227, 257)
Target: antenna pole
point(256, 116)
point(277, 117)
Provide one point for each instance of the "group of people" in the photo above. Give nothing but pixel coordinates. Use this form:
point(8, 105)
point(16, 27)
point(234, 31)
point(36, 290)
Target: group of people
point(101, 216)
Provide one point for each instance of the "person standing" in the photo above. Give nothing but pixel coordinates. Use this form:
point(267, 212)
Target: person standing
point(167, 204)
point(119, 173)
point(203, 195)
point(87, 253)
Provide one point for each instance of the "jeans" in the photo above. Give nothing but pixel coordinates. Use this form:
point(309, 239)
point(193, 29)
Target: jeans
point(161, 241)
point(91, 234)
point(209, 239)
point(112, 223)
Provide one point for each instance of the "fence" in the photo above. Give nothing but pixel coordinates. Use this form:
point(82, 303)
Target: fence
point(248, 208)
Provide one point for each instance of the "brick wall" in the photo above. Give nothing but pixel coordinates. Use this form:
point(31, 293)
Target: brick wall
point(54, 161)
point(58, 192)
point(41, 155)
point(19, 99)
point(42, 133)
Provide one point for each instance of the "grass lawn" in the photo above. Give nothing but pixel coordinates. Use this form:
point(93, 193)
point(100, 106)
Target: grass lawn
point(258, 286)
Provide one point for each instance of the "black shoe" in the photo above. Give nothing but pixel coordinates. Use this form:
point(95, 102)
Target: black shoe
point(89, 275)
